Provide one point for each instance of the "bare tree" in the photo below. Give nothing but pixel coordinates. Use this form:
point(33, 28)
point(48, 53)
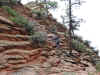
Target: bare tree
point(73, 22)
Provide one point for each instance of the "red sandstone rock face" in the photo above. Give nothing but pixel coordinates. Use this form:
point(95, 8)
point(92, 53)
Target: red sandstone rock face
point(20, 57)
point(15, 48)
point(47, 68)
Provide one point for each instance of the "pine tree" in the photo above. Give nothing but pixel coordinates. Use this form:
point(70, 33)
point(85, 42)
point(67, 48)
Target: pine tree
point(46, 4)
point(73, 22)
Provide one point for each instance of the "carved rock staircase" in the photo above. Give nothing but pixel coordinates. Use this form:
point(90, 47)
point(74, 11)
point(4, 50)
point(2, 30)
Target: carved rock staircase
point(16, 50)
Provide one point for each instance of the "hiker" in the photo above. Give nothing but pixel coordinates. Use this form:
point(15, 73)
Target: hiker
point(56, 39)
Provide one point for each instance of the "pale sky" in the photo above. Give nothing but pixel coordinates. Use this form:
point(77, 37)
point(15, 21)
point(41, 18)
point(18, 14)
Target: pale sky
point(90, 12)
point(90, 30)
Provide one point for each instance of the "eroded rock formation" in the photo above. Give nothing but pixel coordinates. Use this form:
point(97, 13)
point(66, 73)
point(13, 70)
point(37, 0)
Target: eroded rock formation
point(19, 56)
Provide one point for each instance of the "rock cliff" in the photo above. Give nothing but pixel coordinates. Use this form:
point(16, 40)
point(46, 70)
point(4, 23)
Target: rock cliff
point(20, 56)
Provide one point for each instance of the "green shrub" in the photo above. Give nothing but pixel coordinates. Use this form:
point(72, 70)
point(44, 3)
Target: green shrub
point(53, 29)
point(79, 38)
point(40, 13)
point(20, 20)
point(28, 25)
point(98, 67)
point(39, 38)
point(87, 43)
point(36, 11)
point(90, 73)
point(14, 1)
point(77, 45)
point(10, 11)
point(52, 4)
point(31, 27)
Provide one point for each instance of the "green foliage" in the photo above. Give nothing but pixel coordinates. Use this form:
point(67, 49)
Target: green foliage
point(87, 43)
point(29, 26)
point(96, 52)
point(90, 73)
point(44, 6)
point(14, 1)
point(98, 67)
point(20, 20)
point(48, 4)
point(79, 46)
point(35, 11)
point(53, 29)
point(10, 11)
point(79, 38)
point(38, 12)
point(52, 4)
point(39, 37)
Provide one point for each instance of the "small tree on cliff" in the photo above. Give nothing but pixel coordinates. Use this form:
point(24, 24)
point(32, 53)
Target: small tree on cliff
point(14, 1)
point(73, 22)
point(46, 4)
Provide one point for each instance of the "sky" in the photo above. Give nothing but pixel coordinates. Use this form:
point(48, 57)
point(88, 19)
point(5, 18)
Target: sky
point(90, 29)
point(90, 12)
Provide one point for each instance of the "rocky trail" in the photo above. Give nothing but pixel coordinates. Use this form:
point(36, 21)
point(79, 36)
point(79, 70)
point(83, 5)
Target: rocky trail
point(19, 56)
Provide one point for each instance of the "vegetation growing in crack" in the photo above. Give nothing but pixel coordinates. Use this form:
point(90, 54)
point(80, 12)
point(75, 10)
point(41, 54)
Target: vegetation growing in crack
point(9, 2)
point(90, 73)
point(98, 66)
point(10, 11)
point(41, 7)
point(79, 46)
point(39, 13)
point(53, 29)
point(40, 38)
point(37, 37)
point(15, 1)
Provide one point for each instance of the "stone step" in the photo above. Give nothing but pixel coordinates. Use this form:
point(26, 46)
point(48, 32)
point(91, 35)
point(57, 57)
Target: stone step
point(6, 21)
point(4, 47)
point(3, 26)
point(17, 51)
point(20, 51)
point(18, 66)
point(13, 57)
point(13, 30)
point(14, 37)
point(7, 43)
point(9, 31)
point(17, 35)
point(17, 62)
point(13, 67)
